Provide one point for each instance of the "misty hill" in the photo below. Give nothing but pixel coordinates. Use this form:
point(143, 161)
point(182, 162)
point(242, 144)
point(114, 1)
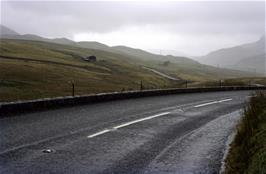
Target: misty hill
point(179, 67)
point(246, 57)
point(93, 45)
point(137, 53)
point(7, 31)
point(254, 64)
point(169, 52)
point(37, 69)
point(149, 56)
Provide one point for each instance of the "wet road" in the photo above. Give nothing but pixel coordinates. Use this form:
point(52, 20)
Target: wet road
point(184, 133)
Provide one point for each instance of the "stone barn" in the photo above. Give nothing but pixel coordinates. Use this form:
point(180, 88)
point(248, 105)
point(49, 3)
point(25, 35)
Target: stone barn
point(90, 58)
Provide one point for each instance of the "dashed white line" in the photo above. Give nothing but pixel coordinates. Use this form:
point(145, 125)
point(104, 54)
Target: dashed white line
point(140, 120)
point(214, 102)
point(225, 100)
point(127, 124)
point(99, 133)
point(150, 117)
point(205, 104)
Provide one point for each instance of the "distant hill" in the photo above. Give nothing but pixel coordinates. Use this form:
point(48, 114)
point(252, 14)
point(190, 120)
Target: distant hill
point(169, 52)
point(93, 45)
point(61, 41)
point(7, 31)
point(181, 67)
point(150, 56)
point(37, 69)
point(254, 64)
point(245, 57)
point(137, 53)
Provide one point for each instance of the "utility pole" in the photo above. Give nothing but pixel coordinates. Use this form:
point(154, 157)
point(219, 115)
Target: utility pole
point(220, 83)
point(186, 83)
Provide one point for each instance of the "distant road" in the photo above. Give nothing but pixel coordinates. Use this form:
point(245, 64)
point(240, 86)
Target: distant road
point(184, 133)
point(162, 74)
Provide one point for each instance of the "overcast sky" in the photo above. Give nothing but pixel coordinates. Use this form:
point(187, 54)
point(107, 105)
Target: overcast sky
point(194, 27)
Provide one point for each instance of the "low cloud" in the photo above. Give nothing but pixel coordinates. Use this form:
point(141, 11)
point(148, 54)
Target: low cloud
point(192, 27)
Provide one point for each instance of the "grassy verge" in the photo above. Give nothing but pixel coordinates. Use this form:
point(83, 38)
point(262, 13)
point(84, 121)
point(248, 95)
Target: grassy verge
point(248, 81)
point(248, 150)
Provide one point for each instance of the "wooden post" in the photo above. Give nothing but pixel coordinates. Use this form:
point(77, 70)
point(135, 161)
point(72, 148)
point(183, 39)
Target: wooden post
point(73, 87)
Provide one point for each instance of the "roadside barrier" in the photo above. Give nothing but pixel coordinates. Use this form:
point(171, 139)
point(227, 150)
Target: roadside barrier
point(11, 108)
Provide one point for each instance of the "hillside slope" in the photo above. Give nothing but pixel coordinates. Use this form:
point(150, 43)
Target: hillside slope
point(7, 31)
point(179, 67)
point(137, 53)
point(253, 54)
point(47, 70)
point(182, 67)
point(36, 67)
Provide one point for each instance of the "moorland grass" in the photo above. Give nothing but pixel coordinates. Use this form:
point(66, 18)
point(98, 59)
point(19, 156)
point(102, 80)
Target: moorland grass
point(24, 80)
point(247, 154)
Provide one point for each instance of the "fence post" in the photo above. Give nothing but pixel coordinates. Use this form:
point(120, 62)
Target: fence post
point(73, 89)
point(141, 85)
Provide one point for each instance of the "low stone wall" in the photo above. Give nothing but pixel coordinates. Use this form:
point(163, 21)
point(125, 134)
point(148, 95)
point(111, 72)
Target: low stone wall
point(11, 108)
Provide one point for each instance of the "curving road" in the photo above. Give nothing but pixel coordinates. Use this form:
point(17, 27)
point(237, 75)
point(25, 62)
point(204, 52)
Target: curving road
point(184, 133)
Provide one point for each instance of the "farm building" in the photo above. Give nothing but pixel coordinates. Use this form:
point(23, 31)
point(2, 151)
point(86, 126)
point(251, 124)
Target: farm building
point(90, 58)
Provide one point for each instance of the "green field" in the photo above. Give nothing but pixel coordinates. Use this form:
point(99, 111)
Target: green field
point(113, 71)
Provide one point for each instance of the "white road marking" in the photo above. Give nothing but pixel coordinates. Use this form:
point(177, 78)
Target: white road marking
point(214, 102)
point(140, 120)
point(151, 117)
point(127, 124)
point(99, 133)
point(225, 100)
point(205, 104)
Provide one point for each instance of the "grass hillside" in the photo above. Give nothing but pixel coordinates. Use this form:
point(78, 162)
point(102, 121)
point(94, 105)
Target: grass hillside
point(34, 79)
point(47, 69)
point(248, 150)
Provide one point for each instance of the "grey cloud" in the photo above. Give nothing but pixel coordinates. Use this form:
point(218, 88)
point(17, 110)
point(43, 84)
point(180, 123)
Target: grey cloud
point(106, 16)
point(64, 18)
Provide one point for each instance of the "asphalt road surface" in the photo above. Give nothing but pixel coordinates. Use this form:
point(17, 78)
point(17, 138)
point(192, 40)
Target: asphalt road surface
point(184, 133)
